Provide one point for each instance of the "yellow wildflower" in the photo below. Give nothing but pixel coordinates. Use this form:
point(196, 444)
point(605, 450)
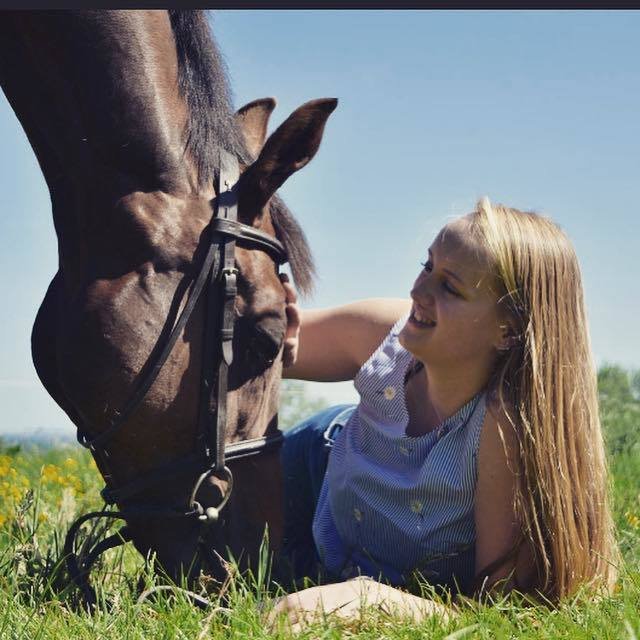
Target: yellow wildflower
point(51, 473)
point(633, 519)
point(5, 465)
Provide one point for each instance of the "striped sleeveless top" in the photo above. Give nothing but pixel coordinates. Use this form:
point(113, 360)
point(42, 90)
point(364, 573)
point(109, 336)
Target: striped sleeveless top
point(391, 504)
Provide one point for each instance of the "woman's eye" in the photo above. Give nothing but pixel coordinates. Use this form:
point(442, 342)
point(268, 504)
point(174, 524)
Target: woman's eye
point(449, 289)
point(428, 268)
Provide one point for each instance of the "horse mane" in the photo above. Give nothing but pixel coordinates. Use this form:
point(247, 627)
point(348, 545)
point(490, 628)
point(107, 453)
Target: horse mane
point(203, 81)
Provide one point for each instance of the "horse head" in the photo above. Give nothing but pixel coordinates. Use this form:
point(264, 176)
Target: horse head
point(124, 111)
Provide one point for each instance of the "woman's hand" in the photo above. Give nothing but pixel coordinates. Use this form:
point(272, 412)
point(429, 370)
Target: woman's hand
point(349, 599)
point(290, 346)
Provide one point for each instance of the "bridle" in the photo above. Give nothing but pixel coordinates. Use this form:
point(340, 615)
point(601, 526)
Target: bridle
point(218, 278)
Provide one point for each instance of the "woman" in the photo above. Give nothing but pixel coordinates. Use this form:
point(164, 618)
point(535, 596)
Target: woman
point(475, 457)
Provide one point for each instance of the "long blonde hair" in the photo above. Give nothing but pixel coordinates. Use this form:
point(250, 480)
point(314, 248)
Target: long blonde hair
point(549, 379)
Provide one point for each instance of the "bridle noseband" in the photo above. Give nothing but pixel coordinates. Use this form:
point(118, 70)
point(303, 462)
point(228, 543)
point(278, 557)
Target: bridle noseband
point(218, 278)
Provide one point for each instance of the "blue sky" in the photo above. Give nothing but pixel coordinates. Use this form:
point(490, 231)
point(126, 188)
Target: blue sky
point(537, 110)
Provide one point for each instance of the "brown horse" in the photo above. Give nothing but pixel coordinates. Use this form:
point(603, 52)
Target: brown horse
point(123, 110)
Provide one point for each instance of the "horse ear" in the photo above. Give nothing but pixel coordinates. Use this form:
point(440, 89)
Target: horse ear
point(253, 119)
point(289, 148)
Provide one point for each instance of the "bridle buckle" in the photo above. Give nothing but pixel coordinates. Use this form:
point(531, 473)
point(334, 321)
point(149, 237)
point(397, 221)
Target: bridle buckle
point(229, 276)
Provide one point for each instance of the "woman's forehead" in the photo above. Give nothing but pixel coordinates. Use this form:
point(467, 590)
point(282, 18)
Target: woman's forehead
point(456, 240)
point(458, 249)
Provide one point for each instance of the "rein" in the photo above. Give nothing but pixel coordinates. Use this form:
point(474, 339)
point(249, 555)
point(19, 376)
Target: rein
point(218, 277)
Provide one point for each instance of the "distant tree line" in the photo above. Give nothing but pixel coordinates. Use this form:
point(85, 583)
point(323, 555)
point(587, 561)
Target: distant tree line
point(619, 392)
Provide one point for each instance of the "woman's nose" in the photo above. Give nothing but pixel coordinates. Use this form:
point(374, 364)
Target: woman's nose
point(421, 292)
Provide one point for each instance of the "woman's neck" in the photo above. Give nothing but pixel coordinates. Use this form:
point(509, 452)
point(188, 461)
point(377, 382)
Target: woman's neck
point(445, 392)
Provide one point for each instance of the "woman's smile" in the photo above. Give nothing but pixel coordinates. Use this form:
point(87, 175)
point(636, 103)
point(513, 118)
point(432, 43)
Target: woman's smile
point(419, 319)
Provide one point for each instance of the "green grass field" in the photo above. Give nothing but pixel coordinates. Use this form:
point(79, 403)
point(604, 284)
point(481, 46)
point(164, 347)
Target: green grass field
point(42, 491)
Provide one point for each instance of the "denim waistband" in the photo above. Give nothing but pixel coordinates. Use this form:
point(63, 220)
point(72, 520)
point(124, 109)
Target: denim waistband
point(336, 425)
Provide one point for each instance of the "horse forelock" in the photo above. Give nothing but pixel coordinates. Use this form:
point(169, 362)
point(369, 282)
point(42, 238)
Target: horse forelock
point(203, 81)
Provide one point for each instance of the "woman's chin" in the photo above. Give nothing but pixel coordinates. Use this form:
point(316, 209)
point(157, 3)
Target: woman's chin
point(412, 338)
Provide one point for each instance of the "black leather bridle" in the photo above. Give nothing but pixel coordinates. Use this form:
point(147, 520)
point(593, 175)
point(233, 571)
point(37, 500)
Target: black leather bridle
point(217, 276)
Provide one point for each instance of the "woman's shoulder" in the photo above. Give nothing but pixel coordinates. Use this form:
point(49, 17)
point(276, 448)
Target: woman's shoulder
point(499, 435)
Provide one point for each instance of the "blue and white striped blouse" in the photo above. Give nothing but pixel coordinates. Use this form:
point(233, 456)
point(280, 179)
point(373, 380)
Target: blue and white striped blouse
point(392, 504)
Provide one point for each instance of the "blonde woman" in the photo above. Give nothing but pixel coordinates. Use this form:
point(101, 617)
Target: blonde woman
point(475, 457)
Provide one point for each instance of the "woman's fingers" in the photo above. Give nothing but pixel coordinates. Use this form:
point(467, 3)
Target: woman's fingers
point(290, 346)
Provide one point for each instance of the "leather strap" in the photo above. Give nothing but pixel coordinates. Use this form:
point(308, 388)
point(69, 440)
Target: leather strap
point(145, 382)
point(234, 451)
point(227, 209)
point(250, 237)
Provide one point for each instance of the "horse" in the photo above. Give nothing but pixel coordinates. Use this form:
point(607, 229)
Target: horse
point(126, 112)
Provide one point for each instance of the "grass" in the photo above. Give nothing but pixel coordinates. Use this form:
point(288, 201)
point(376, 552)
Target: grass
point(42, 491)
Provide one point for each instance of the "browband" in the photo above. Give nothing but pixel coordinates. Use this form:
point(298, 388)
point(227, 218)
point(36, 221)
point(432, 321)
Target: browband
point(244, 234)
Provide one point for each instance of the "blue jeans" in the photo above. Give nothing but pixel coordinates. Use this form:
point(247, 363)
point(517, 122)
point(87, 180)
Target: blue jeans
point(304, 457)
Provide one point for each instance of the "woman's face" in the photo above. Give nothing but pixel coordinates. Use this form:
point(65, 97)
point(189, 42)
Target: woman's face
point(455, 319)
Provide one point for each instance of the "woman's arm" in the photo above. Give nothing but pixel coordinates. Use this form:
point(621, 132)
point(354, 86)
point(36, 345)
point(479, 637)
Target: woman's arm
point(498, 563)
point(350, 600)
point(334, 343)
